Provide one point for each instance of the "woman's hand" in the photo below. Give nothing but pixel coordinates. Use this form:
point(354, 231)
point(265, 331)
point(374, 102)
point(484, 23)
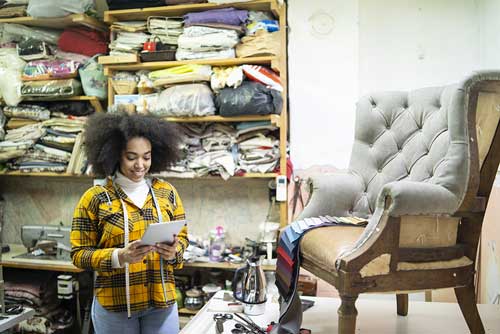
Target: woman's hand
point(167, 251)
point(134, 252)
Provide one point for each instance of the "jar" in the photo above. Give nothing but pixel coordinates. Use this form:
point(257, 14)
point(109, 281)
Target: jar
point(217, 244)
point(194, 299)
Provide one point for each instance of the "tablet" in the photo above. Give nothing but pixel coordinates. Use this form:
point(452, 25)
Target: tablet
point(162, 232)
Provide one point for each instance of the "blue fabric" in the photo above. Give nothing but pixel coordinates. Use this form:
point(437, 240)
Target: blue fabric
point(150, 321)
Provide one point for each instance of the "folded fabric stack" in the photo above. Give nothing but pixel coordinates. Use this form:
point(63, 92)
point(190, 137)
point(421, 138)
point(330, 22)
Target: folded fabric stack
point(258, 150)
point(227, 150)
point(24, 128)
point(166, 29)
point(13, 8)
point(288, 265)
point(128, 37)
point(211, 34)
point(39, 291)
point(45, 145)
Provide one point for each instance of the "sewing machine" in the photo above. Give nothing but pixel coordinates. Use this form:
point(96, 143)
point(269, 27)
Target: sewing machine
point(48, 242)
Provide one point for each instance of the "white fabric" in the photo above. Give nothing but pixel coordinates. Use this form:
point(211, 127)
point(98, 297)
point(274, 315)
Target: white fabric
point(136, 191)
point(115, 262)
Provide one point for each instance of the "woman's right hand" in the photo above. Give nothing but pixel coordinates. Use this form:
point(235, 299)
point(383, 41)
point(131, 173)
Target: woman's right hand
point(134, 252)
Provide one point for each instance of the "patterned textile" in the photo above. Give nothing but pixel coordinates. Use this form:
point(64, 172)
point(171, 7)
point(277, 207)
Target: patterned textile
point(33, 112)
point(51, 88)
point(288, 265)
point(6, 145)
point(12, 154)
point(98, 230)
point(28, 132)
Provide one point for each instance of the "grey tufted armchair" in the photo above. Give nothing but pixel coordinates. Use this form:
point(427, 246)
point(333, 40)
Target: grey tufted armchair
point(421, 171)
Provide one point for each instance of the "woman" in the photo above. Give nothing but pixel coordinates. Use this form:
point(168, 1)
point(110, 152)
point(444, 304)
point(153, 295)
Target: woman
point(134, 287)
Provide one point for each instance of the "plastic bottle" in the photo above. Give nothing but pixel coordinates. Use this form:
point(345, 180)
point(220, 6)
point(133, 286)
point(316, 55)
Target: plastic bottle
point(217, 244)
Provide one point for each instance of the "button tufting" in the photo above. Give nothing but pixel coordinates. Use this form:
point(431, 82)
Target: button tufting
point(380, 170)
point(370, 145)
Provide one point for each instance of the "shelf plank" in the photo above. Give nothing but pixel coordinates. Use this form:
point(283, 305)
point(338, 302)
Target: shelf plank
point(84, 176)
point(111, 16)
point(125, 59)
point(44, 174)
point(223, 265)
point(274, 119)
point(58, 22)
point(94, 101)
point(155, 65)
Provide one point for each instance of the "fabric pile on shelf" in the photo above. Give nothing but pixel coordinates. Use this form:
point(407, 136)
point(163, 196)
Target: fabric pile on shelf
point(41, 64)
point(40, 138)
point(227, 150)
point(128, 37)
point(16, 8)
point(38, 290)
point(211, 34)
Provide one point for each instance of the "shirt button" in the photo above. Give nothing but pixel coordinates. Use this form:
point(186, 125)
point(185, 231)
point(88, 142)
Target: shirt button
point(144, 261)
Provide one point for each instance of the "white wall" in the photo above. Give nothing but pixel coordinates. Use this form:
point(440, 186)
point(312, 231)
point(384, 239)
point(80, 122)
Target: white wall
point(489, 29)
point(374, 45)
point(322, 79)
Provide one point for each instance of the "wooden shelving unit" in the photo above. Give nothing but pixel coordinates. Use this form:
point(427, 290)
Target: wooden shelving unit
point(279, 64)
point(59, 22)
point(222, 265)
point(179, 10)
point(273, 62)
point(274, 119)
point(94, 101)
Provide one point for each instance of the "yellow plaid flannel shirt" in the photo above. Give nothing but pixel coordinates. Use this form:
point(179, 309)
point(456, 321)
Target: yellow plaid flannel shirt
point(97, 230)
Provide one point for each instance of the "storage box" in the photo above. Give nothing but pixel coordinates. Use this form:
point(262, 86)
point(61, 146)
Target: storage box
point(307, 285)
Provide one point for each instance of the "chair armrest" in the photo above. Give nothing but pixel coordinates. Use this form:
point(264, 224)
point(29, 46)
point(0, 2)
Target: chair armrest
point(417, 198)
point(332, 194)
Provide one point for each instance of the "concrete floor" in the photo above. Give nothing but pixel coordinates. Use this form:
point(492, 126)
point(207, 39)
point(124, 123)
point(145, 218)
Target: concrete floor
point(375, 316)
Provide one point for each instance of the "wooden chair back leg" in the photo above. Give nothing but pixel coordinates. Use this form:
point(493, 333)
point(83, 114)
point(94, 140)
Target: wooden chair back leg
point(467, 300)
point(347, 314)
point(402, 304)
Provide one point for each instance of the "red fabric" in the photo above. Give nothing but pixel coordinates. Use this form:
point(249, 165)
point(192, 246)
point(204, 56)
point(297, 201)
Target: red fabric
point(83, 41)
point(283, 254)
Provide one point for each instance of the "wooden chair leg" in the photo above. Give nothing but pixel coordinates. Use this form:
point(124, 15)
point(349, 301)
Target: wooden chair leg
point(402, 304)
point(347, 314)
point(467, 300)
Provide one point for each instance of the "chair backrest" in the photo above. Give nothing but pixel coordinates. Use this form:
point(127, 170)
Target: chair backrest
point(425, 135)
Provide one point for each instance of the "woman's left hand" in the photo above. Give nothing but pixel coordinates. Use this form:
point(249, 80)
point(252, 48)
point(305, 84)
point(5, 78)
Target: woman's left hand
point(167, 251)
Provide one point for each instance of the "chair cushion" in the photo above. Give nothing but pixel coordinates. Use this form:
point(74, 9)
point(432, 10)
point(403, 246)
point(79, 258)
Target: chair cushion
point(321, 246)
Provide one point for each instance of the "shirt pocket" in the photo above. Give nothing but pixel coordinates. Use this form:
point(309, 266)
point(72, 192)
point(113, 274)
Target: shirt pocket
point(112, 229)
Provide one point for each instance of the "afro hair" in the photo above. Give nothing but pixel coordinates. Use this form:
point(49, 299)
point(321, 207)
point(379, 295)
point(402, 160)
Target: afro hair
point(107, 134)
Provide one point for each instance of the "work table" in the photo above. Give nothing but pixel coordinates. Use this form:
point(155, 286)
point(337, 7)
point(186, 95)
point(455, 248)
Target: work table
point(10, 260)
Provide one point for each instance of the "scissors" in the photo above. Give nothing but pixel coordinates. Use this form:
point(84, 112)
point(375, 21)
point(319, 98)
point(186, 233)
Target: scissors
point(219, 319)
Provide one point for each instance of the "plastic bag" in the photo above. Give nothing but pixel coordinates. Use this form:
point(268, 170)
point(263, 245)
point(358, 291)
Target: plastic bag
point(186, 100)
point(11, 67)
point(94, 82)
point(58, 8)
point(50, 69)
point(251, 98)
point(17, 32)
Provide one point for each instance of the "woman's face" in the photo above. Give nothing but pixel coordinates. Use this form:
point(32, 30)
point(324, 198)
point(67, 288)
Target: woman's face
point(136, 159)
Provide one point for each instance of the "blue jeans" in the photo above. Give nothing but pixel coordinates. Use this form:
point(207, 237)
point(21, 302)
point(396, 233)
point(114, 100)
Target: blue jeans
point(150, 321)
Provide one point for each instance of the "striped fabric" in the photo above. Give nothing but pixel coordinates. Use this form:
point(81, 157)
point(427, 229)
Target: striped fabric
point(98, 229)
